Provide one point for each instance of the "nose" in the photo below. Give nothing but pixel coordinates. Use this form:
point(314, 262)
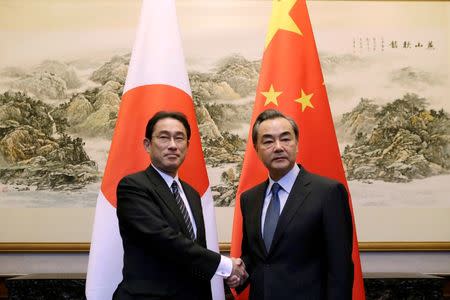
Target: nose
point(277, 145)
point(172, 144)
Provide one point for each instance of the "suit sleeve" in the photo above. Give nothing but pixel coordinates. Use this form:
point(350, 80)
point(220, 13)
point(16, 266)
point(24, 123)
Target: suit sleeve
point(141, 218)
point(245, 247)
point(338, 235)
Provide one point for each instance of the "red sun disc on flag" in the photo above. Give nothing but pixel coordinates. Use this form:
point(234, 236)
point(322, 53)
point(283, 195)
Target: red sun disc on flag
point(127, 154)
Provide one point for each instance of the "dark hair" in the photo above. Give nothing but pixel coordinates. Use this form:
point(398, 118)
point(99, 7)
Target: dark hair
point(167, 115)
point(269, 115)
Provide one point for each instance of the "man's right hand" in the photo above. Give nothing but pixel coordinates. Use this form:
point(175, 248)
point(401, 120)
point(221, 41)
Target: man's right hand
point(238, 273)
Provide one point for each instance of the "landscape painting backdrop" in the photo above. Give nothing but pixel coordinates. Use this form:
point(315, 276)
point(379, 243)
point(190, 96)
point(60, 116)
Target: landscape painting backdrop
point(63, 65)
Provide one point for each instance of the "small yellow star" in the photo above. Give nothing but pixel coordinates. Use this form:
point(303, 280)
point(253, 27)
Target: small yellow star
point(305, 100)
point(281, 19)
point(271, 96)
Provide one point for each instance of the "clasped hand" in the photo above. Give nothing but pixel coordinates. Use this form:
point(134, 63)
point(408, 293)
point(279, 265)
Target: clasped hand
point(238, 273)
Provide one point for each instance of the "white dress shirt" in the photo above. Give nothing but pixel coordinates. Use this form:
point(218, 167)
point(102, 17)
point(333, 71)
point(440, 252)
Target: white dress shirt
point(286, 183)
point(226, 265)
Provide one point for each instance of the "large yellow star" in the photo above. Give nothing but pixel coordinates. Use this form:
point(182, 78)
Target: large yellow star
point(281, 19)
point(271, 96)
point(305, 100)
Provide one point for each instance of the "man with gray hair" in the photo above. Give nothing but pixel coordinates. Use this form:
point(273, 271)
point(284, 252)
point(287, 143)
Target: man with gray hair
point(297, 226)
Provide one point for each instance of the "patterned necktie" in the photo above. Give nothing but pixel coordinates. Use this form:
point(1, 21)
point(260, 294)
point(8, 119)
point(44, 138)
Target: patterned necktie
point(272, 215)
point(183, 210)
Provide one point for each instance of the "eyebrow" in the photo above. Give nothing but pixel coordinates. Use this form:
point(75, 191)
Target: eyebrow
point(284, 133)
point(168, 132)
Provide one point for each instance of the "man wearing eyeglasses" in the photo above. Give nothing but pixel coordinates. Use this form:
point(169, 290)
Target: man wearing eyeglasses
point(297, 228)
point(161, 224)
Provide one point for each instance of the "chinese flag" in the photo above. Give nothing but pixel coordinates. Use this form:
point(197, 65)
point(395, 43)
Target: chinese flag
point(157, 80)
point(291, 81)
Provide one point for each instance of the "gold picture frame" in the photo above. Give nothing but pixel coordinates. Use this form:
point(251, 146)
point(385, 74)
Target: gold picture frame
point(223, 247)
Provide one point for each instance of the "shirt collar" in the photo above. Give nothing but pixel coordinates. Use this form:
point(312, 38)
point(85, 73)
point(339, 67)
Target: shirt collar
point(167, 178)
point(286, 182)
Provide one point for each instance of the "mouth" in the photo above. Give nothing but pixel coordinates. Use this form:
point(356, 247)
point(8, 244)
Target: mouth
point(279, 158)
point(172, 156)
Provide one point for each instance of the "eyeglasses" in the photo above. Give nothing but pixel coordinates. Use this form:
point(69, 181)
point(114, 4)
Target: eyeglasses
point(164, 139)
point(269, 143)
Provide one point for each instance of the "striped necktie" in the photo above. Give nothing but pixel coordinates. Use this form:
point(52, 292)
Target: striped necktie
point(183, 210)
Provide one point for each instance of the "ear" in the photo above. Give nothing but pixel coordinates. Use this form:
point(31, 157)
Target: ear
point(258, 151)
point(147, 143)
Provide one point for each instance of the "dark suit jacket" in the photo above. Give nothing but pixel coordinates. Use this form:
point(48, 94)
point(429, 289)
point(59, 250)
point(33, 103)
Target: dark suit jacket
point(160, 261)
point(310, 255)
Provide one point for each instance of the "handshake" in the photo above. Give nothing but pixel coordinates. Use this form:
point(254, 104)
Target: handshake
point(238, 274)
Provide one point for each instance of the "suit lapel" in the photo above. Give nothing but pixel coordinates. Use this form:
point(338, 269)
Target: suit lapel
point(258, 199)
point(196, 209)
point(299, 192)
point(166, 195)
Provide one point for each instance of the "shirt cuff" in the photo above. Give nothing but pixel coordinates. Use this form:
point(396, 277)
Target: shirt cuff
point(225, 267)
